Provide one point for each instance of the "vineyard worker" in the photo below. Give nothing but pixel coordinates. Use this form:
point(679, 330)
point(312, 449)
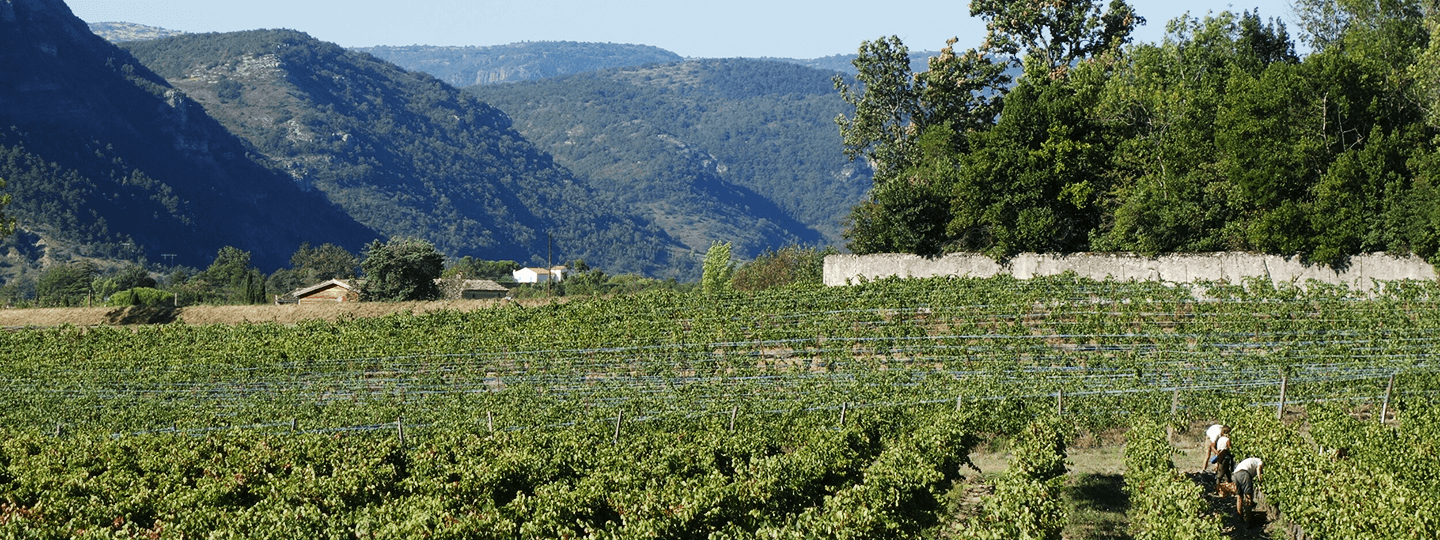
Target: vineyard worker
point(1246, 474)
point(1224, 459)
point(1212, 434)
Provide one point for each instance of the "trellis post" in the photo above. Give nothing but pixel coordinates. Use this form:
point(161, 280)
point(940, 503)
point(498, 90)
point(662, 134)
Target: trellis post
point(619, 417)
point(1280, 409)
point(1174, 409)
point(1385, 406)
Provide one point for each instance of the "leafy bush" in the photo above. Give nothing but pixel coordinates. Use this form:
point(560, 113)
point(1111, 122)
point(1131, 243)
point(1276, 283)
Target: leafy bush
point(142, 296)
point(788, 265)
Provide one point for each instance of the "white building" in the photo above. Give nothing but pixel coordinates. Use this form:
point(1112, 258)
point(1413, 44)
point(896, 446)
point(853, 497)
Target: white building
point(540, 275)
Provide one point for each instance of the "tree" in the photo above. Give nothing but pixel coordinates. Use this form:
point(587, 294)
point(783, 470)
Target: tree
point(1055, 33)
point(7, 224)
point(401, 270)
point(473, 268)
point(785, 266)
point(309, 266)
point(909, 213)
point(229, 279)
point(718, 269)
point(328, 261)
point(65, 284)
point(894, 106)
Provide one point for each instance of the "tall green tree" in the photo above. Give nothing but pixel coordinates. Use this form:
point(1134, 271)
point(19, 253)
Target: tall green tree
point(65, 285)
point(1033, 183)
point(1167, 192)
point(718, 269)
point(401, 270)
point(1055, 34)
point(7, 224)
point(893, 105)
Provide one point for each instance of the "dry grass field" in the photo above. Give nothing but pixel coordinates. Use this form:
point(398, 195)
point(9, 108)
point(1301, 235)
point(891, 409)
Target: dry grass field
point(283, 314)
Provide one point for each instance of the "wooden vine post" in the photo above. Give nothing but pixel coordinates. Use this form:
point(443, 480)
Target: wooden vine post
point(843, 407)
point(733, 411)
point(1280, 409)
point(400, 429)
point(619, 417)
point(1174, 410)
point(1385, 406)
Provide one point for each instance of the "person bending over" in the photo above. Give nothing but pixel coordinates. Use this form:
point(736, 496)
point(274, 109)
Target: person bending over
point(1246, 474)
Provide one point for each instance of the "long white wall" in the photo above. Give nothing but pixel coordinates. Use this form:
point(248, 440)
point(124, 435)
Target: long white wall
point(1184, 268)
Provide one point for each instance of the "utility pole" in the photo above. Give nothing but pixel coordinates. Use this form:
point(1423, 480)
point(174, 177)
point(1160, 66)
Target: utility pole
point(549, 265)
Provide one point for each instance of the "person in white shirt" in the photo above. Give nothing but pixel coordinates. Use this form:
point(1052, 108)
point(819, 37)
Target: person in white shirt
point(1224, 459)
point(1212, 434)
point(1247, 472)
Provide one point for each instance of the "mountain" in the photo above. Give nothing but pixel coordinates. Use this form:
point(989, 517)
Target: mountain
point(404, 153)
point(464, 66)
point(845, 63)
point(752, 136)
point(104, 158)
point(116, 32)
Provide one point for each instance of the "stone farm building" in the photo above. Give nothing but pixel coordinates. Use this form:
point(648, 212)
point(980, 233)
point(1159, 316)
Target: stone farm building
point(331, 291)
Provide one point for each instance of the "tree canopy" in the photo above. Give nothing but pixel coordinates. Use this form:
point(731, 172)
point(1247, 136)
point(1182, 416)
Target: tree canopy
point(1220, 137)
point(401, 269)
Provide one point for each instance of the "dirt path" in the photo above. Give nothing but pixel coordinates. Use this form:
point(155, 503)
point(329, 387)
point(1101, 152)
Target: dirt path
point(1098, 502)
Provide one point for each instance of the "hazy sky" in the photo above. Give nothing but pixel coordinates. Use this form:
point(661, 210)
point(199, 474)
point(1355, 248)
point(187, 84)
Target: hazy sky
point(715, 29)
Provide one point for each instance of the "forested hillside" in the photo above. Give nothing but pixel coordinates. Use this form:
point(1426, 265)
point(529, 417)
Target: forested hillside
point(845, 63)
point(742, 150)
point(1219, 138)
point(403, 152)
point(464, 66)
point(102, 158)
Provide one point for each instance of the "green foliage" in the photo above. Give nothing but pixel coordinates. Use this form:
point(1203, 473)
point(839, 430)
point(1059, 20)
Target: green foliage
point(228, 426)
point(142, 296)
point(473, 268)
point(909, 213)
point(401, 270)
point(1034, 181)
point(893, 106)
point(7, 224)
point(313, 265)
point(65, 284)
point(1164, 504)
point(1383, 486)
point(718, 269)
point(1219, 138)
point(1029, 497)
point(1055, 35)
point(790, 265)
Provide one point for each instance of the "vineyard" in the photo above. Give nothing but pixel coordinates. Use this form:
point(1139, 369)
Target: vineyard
point(798, 413)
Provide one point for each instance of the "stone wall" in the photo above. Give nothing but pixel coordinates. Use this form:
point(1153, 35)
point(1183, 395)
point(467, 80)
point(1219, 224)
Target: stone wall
point(1360, 274)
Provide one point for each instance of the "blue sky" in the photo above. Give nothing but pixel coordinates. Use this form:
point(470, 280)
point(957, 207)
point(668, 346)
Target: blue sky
point(733, 28)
